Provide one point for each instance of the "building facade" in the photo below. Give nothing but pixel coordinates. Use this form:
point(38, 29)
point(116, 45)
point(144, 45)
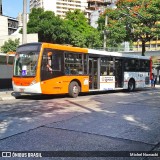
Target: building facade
point(59, 7)
point(9, 29)
point(8, 25)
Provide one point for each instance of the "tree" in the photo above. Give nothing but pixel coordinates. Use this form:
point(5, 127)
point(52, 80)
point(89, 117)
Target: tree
point(47, 25)
point(73, 30)
point(10, 45)
point(135, 20)
point(81, 33)
point(114, 30)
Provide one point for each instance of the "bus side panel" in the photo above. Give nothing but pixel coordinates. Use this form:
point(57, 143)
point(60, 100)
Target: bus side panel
point(141, 79)
point(6, 72)
point(60, 85)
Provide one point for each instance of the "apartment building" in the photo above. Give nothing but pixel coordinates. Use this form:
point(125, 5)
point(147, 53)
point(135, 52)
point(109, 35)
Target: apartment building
point(8, 25)
point(95, 8)
point(99, 4)
point(59, 7)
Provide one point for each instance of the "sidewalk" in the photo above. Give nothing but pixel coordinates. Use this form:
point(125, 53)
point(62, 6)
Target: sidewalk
point(6, 95)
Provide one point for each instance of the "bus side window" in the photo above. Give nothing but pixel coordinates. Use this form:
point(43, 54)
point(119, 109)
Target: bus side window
point(3, 60)
point(44, 60)
point(137, 65)
point(126, 67)
point(56, 62)
point(10, 60)
point(74, 63)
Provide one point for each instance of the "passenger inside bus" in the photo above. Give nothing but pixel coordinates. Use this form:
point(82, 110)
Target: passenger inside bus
point(67, 70)
point(18, 68)
point(49, 62)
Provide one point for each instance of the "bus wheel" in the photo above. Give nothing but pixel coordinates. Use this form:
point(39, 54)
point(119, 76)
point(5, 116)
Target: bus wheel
point(131, 85)
point(74, 89)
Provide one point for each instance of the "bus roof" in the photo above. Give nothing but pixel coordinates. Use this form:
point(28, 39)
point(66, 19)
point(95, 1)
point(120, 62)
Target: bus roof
point(66, 47)
point(55, 46)
point(85, 50)
point(116, 54)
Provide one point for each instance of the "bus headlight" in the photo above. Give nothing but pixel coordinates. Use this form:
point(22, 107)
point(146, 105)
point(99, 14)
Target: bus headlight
point(33, 82)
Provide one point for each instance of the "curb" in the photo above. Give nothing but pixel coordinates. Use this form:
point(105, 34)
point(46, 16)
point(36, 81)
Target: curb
point(6, 95)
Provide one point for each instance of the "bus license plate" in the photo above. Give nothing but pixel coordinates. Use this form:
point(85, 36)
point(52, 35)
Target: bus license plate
point(21, 90)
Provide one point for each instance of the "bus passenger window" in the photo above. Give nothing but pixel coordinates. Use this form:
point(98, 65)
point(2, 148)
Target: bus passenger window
point(126, 67)
point(74, 61)
point(3, 60)
point(56, 62)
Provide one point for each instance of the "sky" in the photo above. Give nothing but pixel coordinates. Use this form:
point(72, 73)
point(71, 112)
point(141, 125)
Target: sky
point(11, 8)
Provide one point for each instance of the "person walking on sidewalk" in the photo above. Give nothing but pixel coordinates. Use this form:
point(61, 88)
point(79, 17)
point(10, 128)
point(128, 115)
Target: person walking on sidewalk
point(152, 80)
point(155, 80)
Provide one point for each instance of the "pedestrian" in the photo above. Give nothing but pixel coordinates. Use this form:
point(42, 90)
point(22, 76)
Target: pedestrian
point(155, 80)
point(152, 80)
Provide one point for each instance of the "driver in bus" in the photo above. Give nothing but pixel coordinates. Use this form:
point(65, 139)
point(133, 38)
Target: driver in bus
point(18, 64)
point(49, 62)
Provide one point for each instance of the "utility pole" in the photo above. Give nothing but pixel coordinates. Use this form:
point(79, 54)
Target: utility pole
point(24, 36)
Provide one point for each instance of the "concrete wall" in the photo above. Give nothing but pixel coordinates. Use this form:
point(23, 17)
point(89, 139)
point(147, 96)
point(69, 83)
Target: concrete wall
point(30, 38)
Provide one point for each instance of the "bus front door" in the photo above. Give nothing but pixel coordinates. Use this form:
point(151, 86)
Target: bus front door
point(93, 73)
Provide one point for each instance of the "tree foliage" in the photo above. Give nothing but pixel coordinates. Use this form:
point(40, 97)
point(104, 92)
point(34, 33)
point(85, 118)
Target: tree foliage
point(82, 34)
point(114, 30)
point(47, 25)
point(73, 30)
point(134, 20)
point(10, 45)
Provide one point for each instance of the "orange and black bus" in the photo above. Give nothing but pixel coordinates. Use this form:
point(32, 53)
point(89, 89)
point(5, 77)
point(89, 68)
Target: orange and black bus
point(45, 68)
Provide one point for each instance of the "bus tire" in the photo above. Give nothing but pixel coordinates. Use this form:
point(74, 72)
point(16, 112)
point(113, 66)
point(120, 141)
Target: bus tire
point(74, 89)
point(131, 85)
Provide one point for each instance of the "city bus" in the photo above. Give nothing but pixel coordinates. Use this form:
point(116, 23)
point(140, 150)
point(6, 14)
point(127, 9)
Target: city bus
point(6, 70)
point(44, 68)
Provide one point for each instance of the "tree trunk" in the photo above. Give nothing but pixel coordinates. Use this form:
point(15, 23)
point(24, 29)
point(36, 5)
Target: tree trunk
point(143, 48)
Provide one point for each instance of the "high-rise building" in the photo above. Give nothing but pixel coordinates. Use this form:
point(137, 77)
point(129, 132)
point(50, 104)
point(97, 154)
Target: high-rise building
point(59, 7)
point(0, 7)
point(95, 8)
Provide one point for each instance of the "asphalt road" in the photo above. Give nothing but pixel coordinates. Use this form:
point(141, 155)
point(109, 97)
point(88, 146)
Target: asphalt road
point(115, 121)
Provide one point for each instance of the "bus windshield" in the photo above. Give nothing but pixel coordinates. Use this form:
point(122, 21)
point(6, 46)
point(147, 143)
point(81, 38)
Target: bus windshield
point(25, 63)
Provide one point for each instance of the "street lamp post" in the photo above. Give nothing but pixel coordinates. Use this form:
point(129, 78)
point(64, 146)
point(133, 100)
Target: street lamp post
point(24, 36)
